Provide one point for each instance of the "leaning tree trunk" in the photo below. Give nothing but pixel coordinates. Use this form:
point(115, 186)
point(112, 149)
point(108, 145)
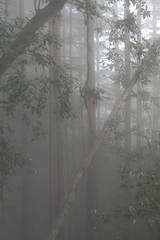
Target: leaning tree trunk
point(88, 160)
point(107, 127)
point(27, 34)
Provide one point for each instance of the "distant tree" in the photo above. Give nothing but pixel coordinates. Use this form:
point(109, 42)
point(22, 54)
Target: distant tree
point(155, 85)
point(127, 110)
point(140, 131)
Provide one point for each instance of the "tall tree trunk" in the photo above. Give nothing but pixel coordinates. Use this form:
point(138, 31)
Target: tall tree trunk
point(127, 111)
point(21, 9)
point(91, 107)
point(2, 175)
point(140, 131)
point(6, 3)
point(155, 86)
point(25, 146)
point(56, 165)
point(91, 111)
point(73, 122)
point(117, 83)
point(98, 79)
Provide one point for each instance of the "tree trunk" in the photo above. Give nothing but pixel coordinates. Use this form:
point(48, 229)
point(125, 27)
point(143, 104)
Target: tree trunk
point(117, 85)
point(98, 80)
point(88, 160)
point(140, 131)
point(21, 9)
point(155, 85)
point(27, 35)
point(127, 110)
point(91, 107)
point(91, 113)
point(56, 166)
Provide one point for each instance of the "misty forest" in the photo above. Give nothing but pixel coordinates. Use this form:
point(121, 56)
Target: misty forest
point(79, 119)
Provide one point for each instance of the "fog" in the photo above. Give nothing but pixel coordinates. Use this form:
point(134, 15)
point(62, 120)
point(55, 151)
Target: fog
point(79, 120)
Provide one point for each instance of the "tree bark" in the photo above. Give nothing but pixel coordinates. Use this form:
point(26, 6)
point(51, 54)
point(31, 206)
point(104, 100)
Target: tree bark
point(26, 36)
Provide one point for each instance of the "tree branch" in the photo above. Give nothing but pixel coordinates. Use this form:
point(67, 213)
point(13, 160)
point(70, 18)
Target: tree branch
point(26, 36)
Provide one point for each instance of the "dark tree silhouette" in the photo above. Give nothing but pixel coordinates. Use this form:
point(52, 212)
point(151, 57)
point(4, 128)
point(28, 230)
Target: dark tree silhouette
point(27, 34)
